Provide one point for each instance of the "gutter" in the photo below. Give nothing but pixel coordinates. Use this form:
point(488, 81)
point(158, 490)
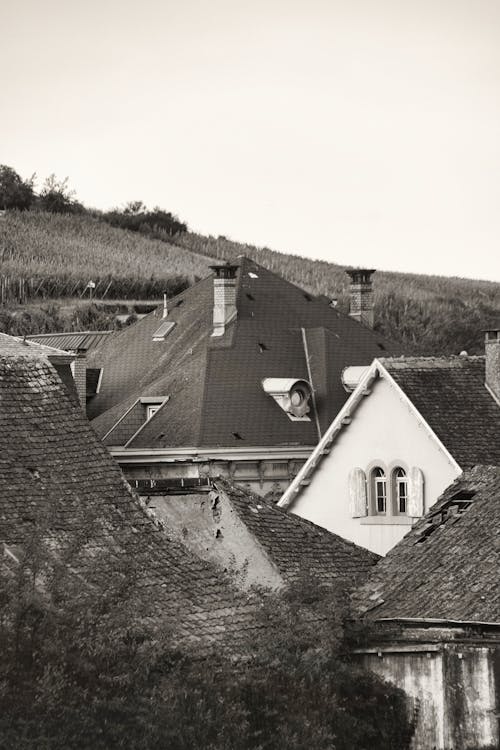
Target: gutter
point(254, 453)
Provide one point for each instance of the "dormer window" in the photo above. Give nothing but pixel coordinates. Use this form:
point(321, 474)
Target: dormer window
point(151, 410)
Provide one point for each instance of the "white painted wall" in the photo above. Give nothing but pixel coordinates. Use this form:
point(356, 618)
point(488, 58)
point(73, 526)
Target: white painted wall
point(383, 429)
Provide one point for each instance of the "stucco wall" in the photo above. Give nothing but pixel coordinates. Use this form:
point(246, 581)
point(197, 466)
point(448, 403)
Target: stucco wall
point(212, 529)
point(453, 691)
point(383, 429)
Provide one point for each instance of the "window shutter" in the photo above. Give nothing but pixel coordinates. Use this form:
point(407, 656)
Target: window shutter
point(416, 493)
point(357, 493)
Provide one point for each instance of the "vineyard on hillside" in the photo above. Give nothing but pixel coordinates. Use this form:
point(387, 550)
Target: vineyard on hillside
point(49, 256)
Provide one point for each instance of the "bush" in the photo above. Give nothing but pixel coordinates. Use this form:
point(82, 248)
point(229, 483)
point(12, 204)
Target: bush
point(14, 191)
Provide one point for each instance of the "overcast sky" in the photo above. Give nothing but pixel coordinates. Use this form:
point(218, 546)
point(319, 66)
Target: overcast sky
point(357, 131)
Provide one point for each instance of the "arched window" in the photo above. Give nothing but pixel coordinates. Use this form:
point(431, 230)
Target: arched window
point(400, 491)
point(379, 485)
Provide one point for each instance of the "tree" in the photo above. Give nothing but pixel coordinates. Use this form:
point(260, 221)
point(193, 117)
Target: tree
point(56, 197)
point(14, 191)
point(81, 668)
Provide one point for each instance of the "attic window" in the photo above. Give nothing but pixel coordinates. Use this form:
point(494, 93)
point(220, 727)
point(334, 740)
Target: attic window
point(252, 275)
point(262, 347)
point(237, 436)
point(250, 297)
point(162, 332)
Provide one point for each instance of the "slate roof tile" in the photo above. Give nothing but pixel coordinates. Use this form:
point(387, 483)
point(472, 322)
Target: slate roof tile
point(450, 394)
point(215, 384)
point(53, 468)
point(447, 567)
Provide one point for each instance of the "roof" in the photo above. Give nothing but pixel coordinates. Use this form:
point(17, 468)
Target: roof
point(447, 566)
point(214, 385)
point(53, 468)
point(22, 347)
point(298, 547)
point(450, 394)
point(72, 341)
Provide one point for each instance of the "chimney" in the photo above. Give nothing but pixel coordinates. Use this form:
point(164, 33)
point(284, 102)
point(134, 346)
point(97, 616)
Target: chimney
point(224, 296)
point(361, 295)
point(492, 351)
point(79, 368)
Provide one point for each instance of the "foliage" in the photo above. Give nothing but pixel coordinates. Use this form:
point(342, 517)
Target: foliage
point(84, 667)
point(57, 198)
point(53, 318)
point(15, 193)
point(158, 224)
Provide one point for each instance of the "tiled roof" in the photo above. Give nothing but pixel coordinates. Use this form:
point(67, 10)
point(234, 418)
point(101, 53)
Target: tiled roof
point(447, 567)
point(15, 346)
point(71, 341)
point(53, 467)
point(298, 547)
point(450, 394)
point(215, 384)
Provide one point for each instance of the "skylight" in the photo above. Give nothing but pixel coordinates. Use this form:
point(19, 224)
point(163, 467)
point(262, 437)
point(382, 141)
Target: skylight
point(162, 332)
point(252, 275)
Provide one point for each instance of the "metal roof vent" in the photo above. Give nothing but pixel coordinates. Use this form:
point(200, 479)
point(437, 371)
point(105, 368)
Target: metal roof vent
point(293, 395)
point(351, 376)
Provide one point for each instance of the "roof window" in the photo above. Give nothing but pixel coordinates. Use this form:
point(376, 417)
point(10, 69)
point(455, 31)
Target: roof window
point(237, 436)
point(252, 275)
point(162, 332)
point(250, 297)
point(307, 296)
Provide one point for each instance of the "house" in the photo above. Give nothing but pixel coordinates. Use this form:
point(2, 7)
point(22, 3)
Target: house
point(58, 483)
point(409, 428)
point(432, 611)
point(258, 542)
point(238, 375)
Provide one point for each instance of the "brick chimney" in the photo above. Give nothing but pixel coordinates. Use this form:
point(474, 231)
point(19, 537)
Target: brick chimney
point(79, 368)
point(361, 295)
point(492, 351)
point(224, 296)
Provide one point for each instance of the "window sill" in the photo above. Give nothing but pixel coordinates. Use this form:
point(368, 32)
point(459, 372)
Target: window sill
point(387, 521)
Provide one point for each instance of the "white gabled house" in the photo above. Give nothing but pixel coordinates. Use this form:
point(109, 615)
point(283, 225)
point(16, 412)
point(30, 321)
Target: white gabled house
point(409, 428)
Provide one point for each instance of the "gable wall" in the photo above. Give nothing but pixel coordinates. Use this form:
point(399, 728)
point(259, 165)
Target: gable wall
point(383, 429)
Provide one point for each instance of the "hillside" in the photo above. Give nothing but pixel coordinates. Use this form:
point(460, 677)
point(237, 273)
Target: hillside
point(58, 254)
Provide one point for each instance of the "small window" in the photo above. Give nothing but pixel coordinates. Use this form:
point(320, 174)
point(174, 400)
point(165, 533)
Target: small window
point(379, 482)
point(152, 409)
point(400, 483)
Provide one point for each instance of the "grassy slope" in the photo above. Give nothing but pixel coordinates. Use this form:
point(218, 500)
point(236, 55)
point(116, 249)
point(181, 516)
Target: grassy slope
point(79, 248)
point(429, 313)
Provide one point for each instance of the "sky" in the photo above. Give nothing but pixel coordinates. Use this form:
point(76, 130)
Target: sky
point(363, 132)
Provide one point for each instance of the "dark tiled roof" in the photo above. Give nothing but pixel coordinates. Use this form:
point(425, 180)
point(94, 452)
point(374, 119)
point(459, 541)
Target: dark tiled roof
point(71, 341)
point(298, 547)
point(447, 567)
point(215, 384)
point(450, 394)
point(52, 467)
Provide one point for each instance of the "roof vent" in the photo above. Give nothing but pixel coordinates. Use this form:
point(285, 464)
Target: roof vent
point(162, 332)
point(293, 395)
point(351, 376)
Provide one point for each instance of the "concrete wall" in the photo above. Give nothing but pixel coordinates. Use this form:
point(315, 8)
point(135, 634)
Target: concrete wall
point(383, 430)
point(453, 691)
point(208, 525)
